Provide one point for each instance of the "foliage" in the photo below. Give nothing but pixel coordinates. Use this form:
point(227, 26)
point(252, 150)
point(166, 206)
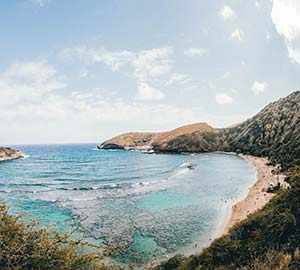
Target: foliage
point(26, 246)
point(194, 142)
point(274, 132)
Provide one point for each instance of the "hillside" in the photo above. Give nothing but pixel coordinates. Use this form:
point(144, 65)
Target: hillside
point(273, 132)
point(161, 141)
point(9, 154)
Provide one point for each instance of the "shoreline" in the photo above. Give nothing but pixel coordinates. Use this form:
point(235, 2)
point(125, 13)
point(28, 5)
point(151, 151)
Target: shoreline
point(228, 218)
point(256, 197)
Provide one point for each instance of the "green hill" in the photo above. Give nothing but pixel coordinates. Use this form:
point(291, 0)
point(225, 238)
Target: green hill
point(274, 132)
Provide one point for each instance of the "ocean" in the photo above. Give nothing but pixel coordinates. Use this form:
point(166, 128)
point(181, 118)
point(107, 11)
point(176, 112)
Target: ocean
point(153, 203)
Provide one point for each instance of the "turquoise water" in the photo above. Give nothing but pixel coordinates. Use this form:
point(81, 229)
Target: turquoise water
point(153, 203)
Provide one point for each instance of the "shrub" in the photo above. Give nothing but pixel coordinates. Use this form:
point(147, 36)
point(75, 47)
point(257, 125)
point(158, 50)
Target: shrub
point(25, 245)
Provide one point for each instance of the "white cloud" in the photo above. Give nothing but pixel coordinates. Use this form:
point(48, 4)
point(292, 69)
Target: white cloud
point(192, 52)
point(178, 78)
point(84, 73)
point(146, 66)
point(223, 98)
point(153, 63)
point(30, 101)
point(285, 15)
point(148, 93)
point(41, 3)
point(225, 76)
point(35, 71)
point(259, 87)
point(90, 115)
point(257, 4)
point(82, 115)
point(28, 81)
point(227, 13)
point(115, 60)
point(237, 34)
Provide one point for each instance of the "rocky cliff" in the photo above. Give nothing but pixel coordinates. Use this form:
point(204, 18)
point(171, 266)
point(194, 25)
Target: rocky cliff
point(9, 154)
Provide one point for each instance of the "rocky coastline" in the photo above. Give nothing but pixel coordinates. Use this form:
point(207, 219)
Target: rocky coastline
point(7, 153)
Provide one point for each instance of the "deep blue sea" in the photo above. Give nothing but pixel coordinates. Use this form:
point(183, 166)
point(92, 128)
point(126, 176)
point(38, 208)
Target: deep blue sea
point(152, 202)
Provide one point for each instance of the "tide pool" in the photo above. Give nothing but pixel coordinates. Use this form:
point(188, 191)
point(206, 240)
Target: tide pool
point(152, 203)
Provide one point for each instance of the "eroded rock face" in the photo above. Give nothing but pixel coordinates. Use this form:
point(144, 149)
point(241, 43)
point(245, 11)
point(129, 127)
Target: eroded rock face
point(9, 154)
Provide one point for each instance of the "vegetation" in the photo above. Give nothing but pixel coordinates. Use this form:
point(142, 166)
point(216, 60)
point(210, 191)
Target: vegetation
point(272, 232)
point(274, 132)
point(274, 189)
point(26, 246)
point(194, 142)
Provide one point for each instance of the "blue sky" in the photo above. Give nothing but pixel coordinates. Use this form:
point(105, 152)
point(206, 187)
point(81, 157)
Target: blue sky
point(86, 70)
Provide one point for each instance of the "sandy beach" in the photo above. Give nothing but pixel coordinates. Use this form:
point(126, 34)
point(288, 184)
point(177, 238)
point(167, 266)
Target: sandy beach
point(257, 196)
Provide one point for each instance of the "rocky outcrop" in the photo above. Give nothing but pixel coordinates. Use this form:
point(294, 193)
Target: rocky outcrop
point(160, 141)
point(129, 141)
point(9, 154)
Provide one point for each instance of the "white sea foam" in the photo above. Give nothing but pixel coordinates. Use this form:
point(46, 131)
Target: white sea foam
point(184, 164)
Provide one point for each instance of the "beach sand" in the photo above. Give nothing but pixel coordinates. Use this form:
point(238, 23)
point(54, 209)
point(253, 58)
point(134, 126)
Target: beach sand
point(257, 196)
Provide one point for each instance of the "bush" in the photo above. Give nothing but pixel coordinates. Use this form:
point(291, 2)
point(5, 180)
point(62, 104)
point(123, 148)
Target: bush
point(26, 246)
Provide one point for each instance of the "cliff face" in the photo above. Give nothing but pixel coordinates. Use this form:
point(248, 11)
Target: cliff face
point(273, 132)
point(9, 154)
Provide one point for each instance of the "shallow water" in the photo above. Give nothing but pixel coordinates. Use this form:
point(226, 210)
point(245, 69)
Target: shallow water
point(154, 203)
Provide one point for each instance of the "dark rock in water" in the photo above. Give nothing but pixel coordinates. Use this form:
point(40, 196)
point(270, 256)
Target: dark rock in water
point(113, 146)
point(191, 167)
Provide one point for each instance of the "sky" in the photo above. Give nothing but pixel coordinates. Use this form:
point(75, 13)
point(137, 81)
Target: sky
point(76, 71)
